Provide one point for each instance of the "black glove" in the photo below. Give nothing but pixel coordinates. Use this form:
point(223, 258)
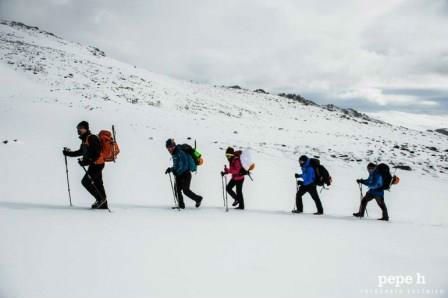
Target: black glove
point(222, 174)
point(83, 162)
point(296, 175)
point(299, 183)
point(168, 170)
point(65, 151)
point(359, 181)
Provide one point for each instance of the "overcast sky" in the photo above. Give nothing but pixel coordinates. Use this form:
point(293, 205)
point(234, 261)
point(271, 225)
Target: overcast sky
point(369, 54)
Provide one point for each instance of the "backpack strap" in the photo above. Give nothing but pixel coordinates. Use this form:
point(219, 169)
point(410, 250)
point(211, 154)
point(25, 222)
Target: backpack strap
point(100, 159)
point(87, 140)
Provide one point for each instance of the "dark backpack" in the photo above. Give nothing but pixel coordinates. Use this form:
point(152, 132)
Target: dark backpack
point(384, 170)
point(196, 155)
point(323, 177)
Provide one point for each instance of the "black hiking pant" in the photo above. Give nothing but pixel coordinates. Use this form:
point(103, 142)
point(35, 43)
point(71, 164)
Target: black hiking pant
point(312, 190)
point(379, 200)
point(183, 185)
point(238, 196)
point(95, 186)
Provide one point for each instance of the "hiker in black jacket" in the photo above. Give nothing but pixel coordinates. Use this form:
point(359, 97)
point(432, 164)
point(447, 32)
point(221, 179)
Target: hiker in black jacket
point(90, 151)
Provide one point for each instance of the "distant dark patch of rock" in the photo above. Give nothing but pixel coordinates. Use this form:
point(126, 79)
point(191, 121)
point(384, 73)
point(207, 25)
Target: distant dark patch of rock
point(261, 91)
point(432, 148)
point(443, 131)
point(26, 27)
point(403, 167)
point(298, 98)
point(352, 113)
point(5, 142)
point(96, 52)
point(235, 87)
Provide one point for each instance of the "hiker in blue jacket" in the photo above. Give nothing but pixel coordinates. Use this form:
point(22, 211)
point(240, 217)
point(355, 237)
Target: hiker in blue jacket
point(376, 191)
point(183, 165)
point(307, 184)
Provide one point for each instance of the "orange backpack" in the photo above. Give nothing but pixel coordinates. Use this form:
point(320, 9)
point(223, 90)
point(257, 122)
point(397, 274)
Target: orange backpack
point(109, 147)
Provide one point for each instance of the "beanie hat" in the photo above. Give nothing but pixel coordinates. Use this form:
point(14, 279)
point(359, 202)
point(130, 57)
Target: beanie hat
point(170, 143)
point(230, 151)
point(303, 158)
point(371, 165)
point(83, 124)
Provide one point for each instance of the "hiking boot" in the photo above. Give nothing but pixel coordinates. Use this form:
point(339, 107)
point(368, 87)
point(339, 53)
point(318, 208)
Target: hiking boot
point(357, 214)
point(235, 203)
point(198, 202)
point(95, 205)
point(384, 218)
point(103, 206)
point(318, 213)
point(100, 205)
point(297, 211)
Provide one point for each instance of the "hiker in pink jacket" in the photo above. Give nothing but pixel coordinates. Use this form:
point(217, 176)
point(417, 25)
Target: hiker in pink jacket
point(237, 171)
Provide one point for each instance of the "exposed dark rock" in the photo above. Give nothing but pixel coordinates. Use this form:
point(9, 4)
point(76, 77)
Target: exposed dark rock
point(352, 113)
point(443, 131)
point(403, 167)
point(26, 27)
point(96, 52)
point(432, 148)
point(298, 98)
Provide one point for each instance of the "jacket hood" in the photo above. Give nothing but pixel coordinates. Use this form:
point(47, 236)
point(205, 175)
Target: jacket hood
point(306, 164)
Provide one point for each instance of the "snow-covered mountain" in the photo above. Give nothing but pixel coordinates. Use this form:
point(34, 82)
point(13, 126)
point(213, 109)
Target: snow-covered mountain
point(143, 249)
point(63, 67)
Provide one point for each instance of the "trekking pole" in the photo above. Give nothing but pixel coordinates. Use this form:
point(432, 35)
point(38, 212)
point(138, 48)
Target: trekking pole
point(297, 190)
point(115, 141)
point(362, 196)
point(68, 182)
point(226, 200)
point(176, 203)
point(223, 191)
point(94, 186)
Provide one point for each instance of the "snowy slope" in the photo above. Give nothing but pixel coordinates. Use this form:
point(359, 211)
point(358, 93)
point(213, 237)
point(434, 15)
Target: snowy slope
point(144, 249)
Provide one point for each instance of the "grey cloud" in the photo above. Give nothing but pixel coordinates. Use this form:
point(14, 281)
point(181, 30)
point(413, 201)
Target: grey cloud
point(321, 48)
